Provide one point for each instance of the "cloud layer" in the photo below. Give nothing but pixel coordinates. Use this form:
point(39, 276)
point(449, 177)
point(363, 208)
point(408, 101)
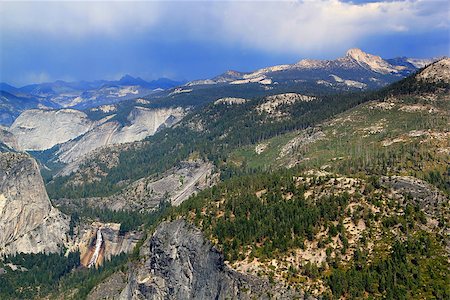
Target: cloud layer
point(302, 28)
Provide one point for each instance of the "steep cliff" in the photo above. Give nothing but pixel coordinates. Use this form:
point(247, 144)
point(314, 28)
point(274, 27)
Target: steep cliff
point(177, 262)
point(28, 221)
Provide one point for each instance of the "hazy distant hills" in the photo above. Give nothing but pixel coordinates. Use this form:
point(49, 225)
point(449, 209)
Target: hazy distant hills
point(81, 94)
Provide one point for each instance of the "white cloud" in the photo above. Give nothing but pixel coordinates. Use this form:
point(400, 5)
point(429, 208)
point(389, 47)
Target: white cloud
point(78, 19)
point(313, 25)
point(286, 27)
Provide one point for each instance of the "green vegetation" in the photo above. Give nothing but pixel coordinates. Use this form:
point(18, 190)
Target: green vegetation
point(240, 217)
point(40, 277)
point(371, 242)
point(80, 282)
point(266, 216)
point(414, 269)
point(381, 138)
point(129, 220)
point(54, 274)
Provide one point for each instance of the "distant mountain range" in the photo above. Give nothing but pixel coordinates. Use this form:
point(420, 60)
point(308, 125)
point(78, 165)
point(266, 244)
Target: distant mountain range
point(356, 69)
point(81, 94)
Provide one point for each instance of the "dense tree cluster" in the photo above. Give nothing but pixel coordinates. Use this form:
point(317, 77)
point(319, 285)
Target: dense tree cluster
point(129, 220)
point(271, 221)
point(413, 269)
point(265, 215)
point(36, 274)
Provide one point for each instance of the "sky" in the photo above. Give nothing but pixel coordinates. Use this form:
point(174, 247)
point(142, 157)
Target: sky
point(185, 40)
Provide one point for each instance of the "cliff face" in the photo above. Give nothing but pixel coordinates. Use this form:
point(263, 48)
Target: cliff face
point(28, 222)
point(177, 262)
point(112, 242)
point(143, 122)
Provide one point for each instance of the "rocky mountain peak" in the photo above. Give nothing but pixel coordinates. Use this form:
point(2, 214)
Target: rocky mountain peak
point(370, 61)
point(232, 73)
point(357, 53)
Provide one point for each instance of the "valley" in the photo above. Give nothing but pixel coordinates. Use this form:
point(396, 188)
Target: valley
point(323, 179)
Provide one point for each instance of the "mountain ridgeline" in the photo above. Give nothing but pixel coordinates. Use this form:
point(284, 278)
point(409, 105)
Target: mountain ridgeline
point(79, 95)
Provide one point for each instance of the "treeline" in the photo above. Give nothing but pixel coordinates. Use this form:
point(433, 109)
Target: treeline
point(413, 158)
point(41, 274)
point(129, 220)
point(53, 274)
point(410, 85)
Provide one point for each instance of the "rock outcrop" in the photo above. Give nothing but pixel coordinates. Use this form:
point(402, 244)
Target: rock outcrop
point(418, 192)
point(177, 262)
point(8, 139)
point(438, 72)
point(272, 103)
point(75, 134)
point(28, 221)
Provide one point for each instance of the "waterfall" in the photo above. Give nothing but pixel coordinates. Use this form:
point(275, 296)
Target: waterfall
point(98, 245)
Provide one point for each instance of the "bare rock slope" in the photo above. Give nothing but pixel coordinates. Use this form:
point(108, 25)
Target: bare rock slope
point(37, 129)
point(143, 122)
point(174, 186)
point(76, 134)
point(177, 262)
point(28, 221)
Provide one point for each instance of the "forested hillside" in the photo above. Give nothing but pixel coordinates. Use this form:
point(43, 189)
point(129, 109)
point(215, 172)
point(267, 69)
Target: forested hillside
point(328, 234)
point(362, 213)
point(339, 196)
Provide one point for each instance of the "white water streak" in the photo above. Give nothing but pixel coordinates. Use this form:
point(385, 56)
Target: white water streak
point(98, 245)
